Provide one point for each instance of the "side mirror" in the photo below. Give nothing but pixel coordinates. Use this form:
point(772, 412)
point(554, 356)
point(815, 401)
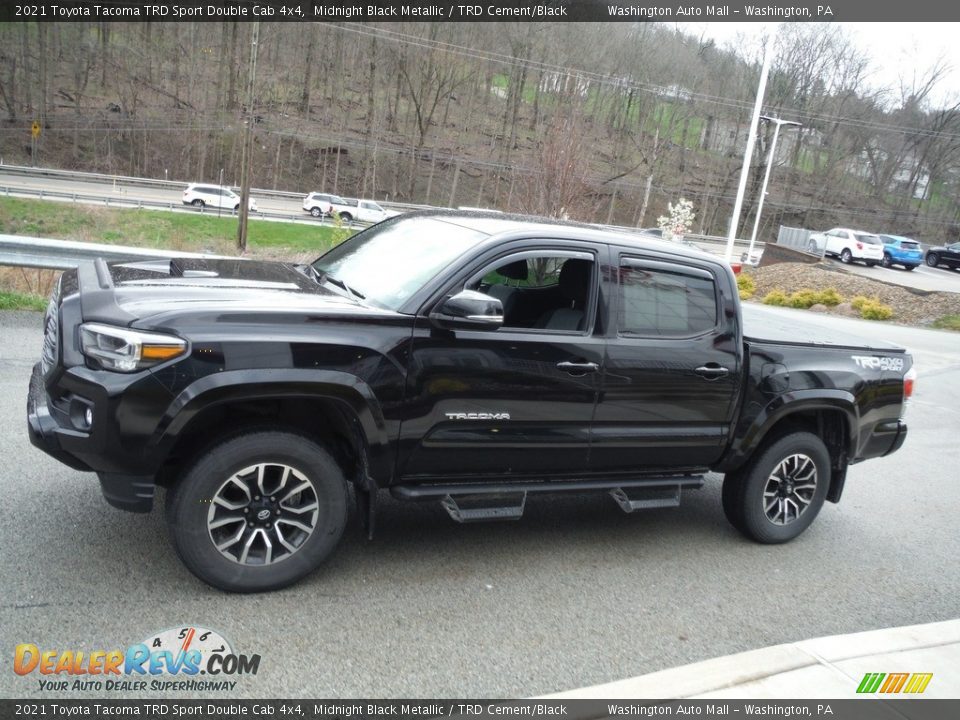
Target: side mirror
point(468, 310)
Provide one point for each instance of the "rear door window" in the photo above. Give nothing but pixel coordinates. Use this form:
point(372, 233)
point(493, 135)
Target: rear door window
point(660, 300)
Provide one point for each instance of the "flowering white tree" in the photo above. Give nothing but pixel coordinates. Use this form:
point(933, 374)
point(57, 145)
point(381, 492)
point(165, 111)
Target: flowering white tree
point(678, 222)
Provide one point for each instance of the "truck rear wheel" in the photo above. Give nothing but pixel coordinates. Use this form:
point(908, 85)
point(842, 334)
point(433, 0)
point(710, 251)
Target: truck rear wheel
point(779, 493)
point(258, 512)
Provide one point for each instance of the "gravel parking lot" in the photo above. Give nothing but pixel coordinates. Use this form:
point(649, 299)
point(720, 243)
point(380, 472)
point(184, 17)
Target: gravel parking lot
point(576, 593)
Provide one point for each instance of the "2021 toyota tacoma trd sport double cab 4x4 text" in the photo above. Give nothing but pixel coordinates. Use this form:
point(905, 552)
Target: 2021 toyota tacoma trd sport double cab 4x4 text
point(467, 358)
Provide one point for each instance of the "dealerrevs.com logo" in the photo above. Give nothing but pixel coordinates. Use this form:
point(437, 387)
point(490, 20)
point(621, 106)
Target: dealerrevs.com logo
point(186, 658)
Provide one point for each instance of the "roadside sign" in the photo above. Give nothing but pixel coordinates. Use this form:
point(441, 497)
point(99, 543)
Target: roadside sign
point(35, 129)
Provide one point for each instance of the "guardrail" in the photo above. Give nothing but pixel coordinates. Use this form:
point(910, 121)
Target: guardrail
point(35, 252)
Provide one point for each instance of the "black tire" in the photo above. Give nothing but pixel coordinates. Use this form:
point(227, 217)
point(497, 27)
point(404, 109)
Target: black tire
point(316, 212)
point(909, 267)
point(236, 208)
point(846, 256)
point(744, 501)
point(730, 498)
point(887, 260)
point(932, 259)
point(197, 203)
point(869, 263)
point(190, 508)
point(346, 217)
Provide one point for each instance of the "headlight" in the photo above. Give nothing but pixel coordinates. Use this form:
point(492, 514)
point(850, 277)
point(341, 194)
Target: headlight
point(127, 350)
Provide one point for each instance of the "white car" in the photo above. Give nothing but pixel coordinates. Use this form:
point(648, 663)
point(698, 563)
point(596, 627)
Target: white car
point(848, 245)
point(200, 195)
point(324, 204)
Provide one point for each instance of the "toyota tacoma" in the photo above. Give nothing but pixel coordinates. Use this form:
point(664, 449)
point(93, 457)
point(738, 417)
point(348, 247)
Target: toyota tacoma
point(471, 359)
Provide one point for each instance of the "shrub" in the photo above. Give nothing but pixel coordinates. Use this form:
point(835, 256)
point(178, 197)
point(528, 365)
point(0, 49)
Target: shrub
point(776, 297)
point(871, 308)
point(829, 297)
point(746, 285)
point(803, 298)
point(948, 322)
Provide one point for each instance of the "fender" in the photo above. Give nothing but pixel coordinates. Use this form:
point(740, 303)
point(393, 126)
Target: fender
point(235, 385)
point(748, 438)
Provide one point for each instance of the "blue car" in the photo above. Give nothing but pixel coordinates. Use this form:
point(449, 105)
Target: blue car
point(899, 250)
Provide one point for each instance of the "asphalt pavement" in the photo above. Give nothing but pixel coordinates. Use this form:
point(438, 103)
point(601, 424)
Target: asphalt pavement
point(574, 594)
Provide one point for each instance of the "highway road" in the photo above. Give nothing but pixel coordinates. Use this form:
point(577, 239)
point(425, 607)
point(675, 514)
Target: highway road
point(290, 209)
point(575, 593)
point(125, 194)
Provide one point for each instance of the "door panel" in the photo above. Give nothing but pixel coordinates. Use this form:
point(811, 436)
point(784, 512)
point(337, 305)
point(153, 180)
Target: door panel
point(513, 402)
point(671, 373)
point(495, 403)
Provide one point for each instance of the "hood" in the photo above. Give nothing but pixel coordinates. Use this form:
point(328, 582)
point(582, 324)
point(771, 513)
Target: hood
point(148, 288)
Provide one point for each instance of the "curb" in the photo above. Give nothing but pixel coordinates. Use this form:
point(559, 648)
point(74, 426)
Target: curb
point(777, 671)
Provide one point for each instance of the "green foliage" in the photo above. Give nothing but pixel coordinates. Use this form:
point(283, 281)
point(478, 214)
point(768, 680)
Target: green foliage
point(871, 308)
point(21, 301)
point(948, 322)
point(746, 285)
point(829, 297)
point(159, 228)
point(803, 298)
point(776, 297)
point(807, 298)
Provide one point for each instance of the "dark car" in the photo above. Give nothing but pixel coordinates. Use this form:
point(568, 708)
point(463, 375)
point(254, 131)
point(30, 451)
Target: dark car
point(898, 250)
point(948, 257)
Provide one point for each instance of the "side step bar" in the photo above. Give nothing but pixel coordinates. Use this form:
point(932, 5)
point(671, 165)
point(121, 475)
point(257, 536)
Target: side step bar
point(483, 507)
point(475, 502)
point(646, 498)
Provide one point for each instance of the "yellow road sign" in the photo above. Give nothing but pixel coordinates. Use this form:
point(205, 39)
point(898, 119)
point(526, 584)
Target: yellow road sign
point(35, 129)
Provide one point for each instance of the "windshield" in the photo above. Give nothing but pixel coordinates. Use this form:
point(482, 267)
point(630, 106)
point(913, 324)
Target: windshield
point(391, 261)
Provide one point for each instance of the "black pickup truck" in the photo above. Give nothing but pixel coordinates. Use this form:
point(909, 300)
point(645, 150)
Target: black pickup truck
point(467, 358)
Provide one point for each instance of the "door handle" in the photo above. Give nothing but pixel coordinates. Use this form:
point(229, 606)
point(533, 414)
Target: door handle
point(578, 368)
point(712, 371)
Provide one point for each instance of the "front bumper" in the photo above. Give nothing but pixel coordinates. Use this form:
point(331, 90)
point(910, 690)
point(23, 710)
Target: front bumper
point(42, 427)
point(126, 474)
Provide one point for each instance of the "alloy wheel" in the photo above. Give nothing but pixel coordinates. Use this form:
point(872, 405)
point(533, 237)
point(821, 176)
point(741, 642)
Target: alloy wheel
point(263, 514)
point(789, 489)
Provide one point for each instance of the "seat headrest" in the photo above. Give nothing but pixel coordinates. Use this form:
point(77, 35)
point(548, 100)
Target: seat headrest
point(575, 279)
point(517, 270)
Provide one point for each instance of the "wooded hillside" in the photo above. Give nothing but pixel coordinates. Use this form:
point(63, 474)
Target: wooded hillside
point(598, 122)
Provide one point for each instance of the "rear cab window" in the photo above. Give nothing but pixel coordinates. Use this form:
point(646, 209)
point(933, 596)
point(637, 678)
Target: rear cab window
point(662, 299)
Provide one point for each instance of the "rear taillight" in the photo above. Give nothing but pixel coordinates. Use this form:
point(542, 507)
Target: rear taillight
point(909, 380)
point(736, 267)
point(859, 246)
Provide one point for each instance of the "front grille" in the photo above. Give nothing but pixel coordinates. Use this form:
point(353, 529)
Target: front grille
point(51, 332)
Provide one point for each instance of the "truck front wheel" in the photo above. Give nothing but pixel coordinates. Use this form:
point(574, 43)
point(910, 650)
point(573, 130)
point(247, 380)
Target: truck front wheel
point(258, 512)
point(779, 493)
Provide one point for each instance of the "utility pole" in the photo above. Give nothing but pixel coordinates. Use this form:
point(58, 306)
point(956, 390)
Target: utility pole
point(766, 176)
point(247, 149)
point(751, 140)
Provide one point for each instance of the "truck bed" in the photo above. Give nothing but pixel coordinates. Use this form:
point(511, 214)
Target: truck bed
point(764, 325)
